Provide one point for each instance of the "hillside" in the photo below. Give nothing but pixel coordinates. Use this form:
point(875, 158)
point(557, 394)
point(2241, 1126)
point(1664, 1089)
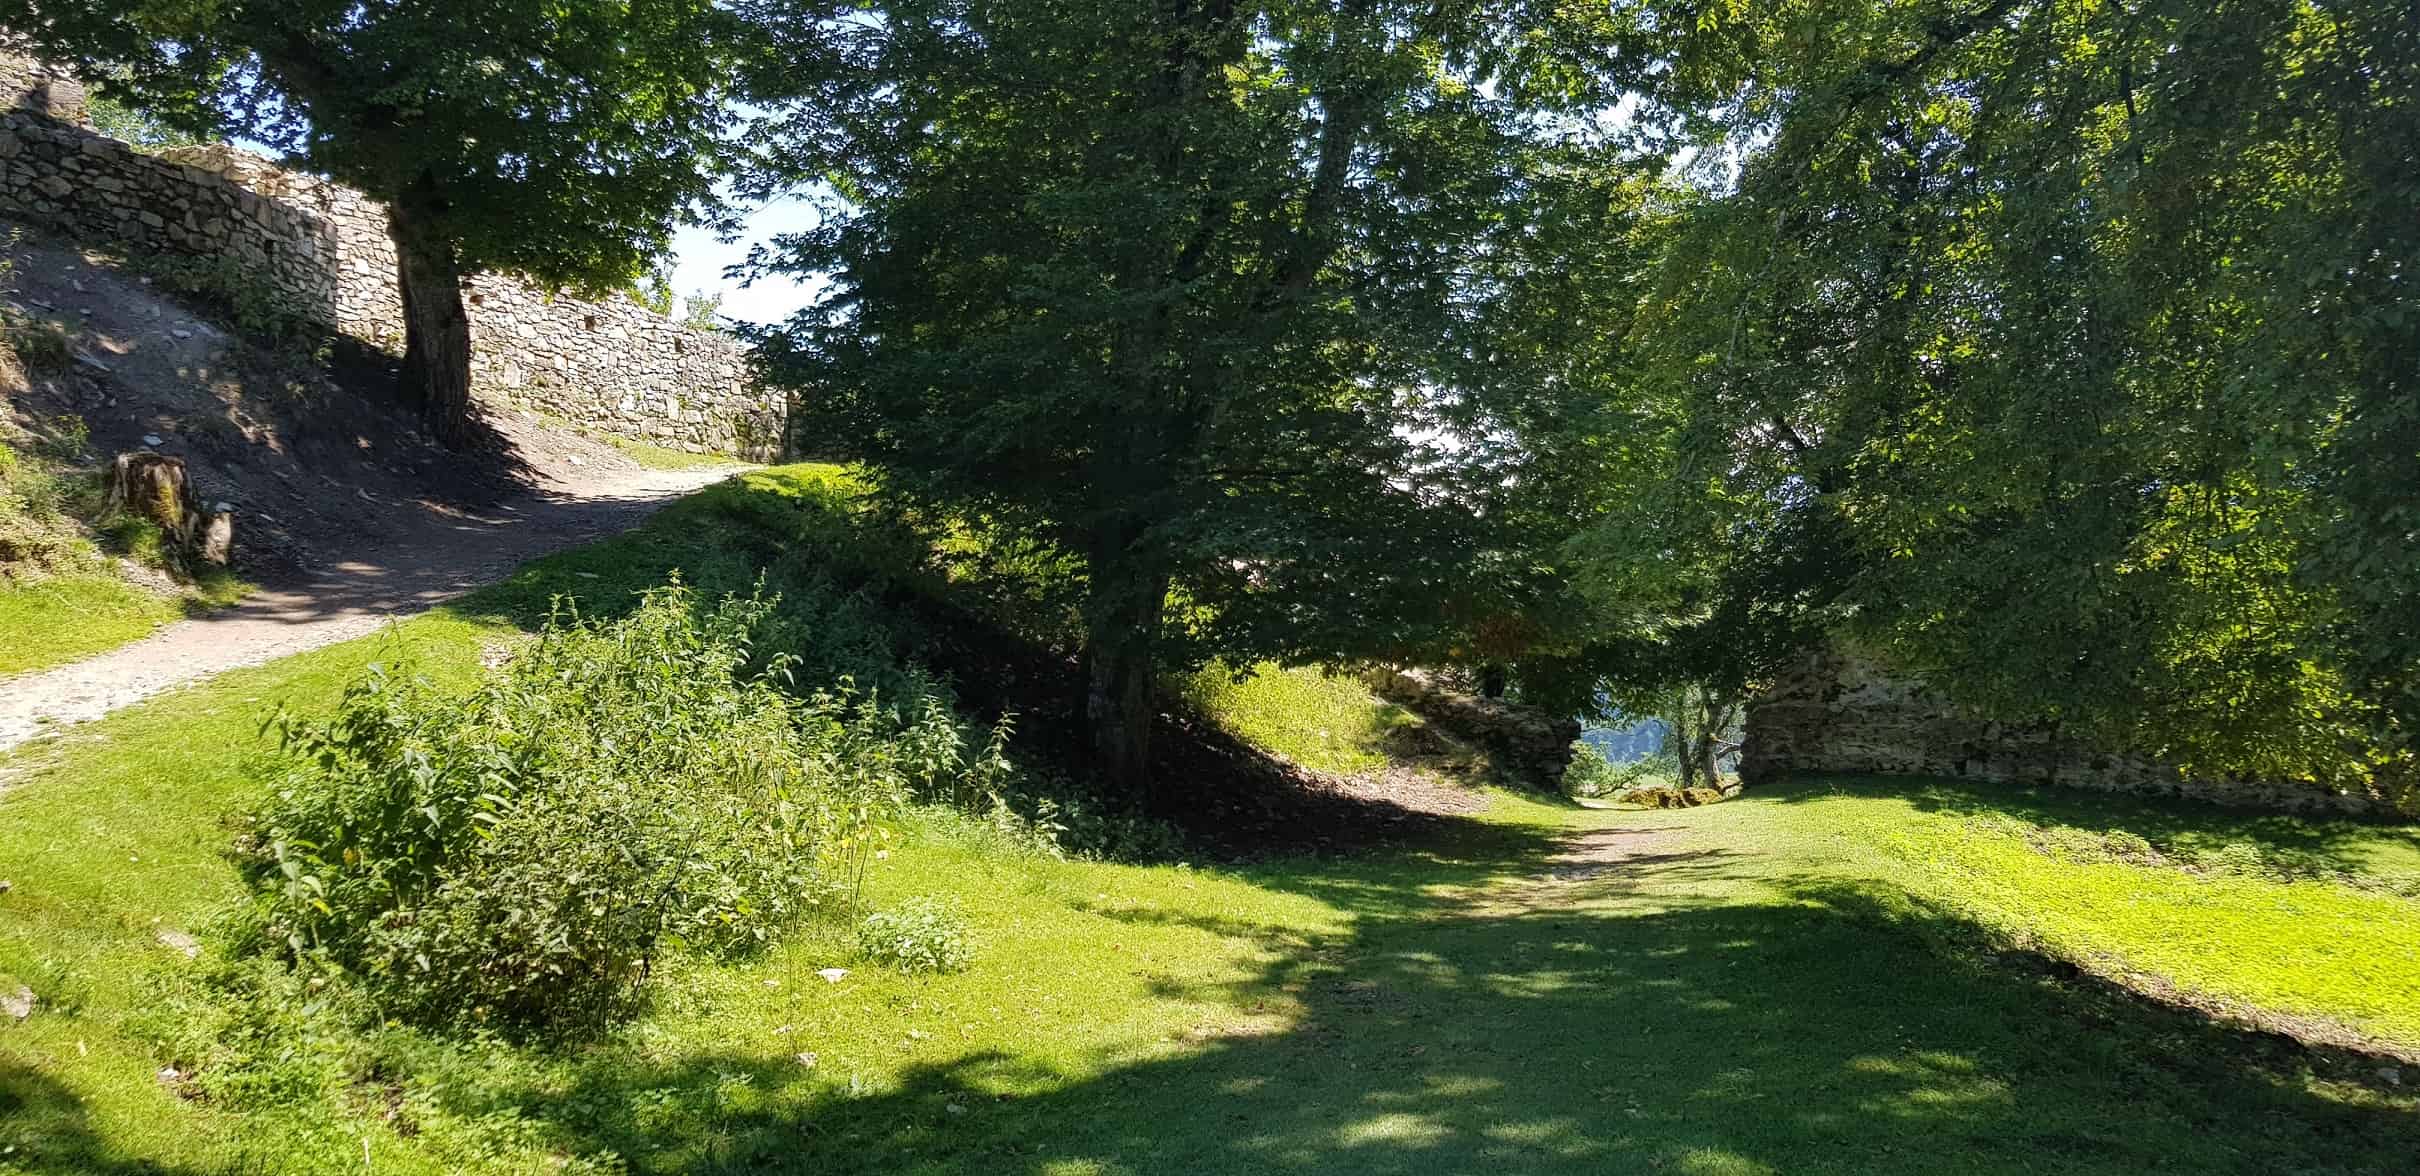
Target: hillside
point(321, 465)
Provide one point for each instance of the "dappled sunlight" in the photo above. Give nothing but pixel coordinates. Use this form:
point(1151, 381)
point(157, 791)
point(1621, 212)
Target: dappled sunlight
point(1392, 1130)
point(1700, 1037)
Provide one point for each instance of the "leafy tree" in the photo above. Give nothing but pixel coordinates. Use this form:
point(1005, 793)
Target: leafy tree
point(2079, 333)
point(129, 124)
point(653, 289)
point(703, 311)
point(1206, 295)
point(554, 141)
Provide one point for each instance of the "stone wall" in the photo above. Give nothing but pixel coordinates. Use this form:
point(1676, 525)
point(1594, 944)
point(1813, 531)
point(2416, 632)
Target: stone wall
point(320, 252)
point(1524, 744)
point(1844, 712)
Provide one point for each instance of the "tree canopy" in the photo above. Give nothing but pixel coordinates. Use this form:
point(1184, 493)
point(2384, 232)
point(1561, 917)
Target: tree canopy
point(559, 142)
point(2063, 351)
point(1207, 296)
point(2072, 342)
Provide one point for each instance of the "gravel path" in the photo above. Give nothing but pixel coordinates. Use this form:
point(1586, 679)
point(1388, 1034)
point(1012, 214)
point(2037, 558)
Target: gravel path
point(441, 556)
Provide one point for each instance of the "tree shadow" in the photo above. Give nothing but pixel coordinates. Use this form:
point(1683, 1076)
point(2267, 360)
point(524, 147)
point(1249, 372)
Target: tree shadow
point(46, 1130)
point(1821, 1029)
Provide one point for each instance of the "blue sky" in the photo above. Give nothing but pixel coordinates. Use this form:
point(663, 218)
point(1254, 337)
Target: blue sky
point(700, 260)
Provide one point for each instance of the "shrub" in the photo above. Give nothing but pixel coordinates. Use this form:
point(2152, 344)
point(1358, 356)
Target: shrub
point(522, 855)
point(1590, 774)
point(1667, 797)
point(40, 344)
point(919, 935)
point(36, 535)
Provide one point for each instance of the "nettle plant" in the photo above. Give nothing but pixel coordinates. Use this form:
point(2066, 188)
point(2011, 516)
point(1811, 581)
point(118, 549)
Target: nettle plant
point(523, 855)
point(919, 935)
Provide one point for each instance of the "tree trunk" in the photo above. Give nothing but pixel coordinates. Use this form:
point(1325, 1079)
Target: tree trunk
point(1683, 742)
point(1493, 680)
point(1707, 770)
point(436, 328)
point(1120, 663)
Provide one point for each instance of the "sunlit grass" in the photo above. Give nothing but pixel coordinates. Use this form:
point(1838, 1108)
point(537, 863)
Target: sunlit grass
point(2299, 917)
point(1324, 722)
point(59, 619)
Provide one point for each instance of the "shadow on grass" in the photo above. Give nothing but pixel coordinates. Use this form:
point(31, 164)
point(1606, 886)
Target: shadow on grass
point(1822, 1029)
point(46, 1131)
point(2289, 845)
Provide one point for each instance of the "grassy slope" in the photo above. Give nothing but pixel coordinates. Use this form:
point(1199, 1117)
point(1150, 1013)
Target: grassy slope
point(59, 619)
point(1327, 724)
point(2303, 919)
point(657, 457)
point(1750, 990)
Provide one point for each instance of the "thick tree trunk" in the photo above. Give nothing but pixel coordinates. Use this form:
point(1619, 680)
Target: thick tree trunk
point(1493, 680)
point(436, 328)
point(1120, 664)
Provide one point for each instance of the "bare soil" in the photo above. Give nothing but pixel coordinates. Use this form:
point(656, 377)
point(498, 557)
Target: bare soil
point(313, 446)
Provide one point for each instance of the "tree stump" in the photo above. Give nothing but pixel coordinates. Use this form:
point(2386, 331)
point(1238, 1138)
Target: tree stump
point(152, 486)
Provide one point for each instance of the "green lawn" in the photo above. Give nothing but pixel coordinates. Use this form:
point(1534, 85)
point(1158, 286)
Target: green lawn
point(2290, 919)
point(58, 619)
point(1789, 982)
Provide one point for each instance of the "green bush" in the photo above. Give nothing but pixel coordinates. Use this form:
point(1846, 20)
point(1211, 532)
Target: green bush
point(919, 935)
point(36, 533)
point(521, 856)
point(1590, 775)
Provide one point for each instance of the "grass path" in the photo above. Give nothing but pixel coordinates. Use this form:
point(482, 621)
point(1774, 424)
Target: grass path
point(1810, 979)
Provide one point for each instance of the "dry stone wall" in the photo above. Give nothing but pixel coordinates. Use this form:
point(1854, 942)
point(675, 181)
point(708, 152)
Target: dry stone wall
point(320, 252)
point(1844, 712)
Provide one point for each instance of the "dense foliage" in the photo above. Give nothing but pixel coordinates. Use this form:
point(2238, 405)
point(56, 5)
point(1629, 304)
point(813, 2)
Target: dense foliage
point(523, 855)
point(1202, 296)
point(2062, 351)
point(555, 141)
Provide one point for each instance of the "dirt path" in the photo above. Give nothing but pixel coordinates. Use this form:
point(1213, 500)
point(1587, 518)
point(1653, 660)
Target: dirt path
point(440, 555)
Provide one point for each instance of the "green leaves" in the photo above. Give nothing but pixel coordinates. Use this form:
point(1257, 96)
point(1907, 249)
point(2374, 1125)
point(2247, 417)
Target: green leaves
point(1206, 297)
point(2061, 328)
point(560, 142)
